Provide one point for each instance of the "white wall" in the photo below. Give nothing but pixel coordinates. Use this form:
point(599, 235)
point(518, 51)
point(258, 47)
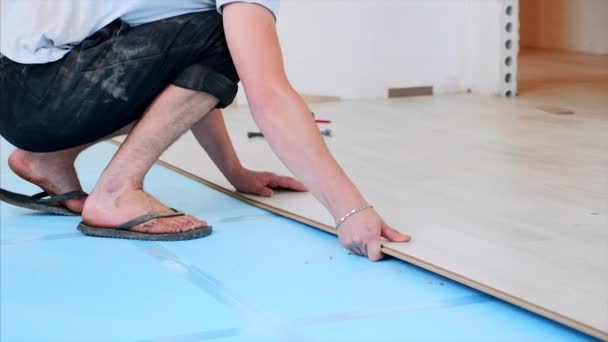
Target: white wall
point(359, 49)
point(574, 25)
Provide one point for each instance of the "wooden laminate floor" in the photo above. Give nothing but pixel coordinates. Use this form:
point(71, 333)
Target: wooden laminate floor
point(505, 195)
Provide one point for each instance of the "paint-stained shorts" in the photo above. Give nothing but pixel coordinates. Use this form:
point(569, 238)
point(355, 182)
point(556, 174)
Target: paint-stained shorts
point(108, 80)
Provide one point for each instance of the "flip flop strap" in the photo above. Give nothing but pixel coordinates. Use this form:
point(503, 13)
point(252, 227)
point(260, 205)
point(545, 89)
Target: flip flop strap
point(147, 218)
point(42, 197)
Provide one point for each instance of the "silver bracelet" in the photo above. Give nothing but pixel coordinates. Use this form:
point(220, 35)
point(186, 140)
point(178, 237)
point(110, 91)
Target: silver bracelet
point(353, 212)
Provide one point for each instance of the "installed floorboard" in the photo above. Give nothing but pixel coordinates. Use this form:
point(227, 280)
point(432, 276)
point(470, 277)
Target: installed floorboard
point(498, 194)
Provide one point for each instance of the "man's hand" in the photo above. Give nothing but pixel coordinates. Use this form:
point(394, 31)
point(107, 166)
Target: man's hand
point(263, 183)
point(361, 234)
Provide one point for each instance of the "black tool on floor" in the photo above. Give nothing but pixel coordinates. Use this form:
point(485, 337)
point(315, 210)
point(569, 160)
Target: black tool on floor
point(326, 132)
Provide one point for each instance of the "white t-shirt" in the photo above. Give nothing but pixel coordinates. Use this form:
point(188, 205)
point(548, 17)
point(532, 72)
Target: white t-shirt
point(43, 31)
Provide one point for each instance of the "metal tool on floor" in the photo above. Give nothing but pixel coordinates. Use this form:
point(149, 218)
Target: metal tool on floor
point(326, 132)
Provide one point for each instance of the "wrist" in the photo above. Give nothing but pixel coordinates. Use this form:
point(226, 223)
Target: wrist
point(234, 172)
point(344, 199)
point(351, 213)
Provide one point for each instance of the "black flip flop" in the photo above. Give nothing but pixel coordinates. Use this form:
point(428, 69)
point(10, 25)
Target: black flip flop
point(124, 230)
point(42, 202)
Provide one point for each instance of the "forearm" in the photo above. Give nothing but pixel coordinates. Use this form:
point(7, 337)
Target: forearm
point(280, 112)
point(294, 136)
point(212, 135)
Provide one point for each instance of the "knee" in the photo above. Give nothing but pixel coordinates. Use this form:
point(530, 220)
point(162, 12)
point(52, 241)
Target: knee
point(26, 142)
point(40, 138)
point(186, 98)
point(204, 79)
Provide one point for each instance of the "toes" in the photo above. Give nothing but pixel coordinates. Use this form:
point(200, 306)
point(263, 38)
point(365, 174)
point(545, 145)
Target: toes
point(144, 228)
point(191, 223)
point(171, 225)
point(76, 205)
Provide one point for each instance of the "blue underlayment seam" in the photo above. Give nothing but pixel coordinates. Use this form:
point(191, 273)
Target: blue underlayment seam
point(200, 336)
point(257, 321)
point(439, 304)
point(299, 324)
point(256, 217)
point(49, 237)
point(198, 278)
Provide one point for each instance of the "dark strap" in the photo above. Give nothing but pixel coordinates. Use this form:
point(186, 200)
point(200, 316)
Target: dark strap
point(42, 197)
point(147, 218)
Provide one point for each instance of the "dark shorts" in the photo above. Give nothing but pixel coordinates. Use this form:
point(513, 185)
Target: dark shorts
point(107, 81)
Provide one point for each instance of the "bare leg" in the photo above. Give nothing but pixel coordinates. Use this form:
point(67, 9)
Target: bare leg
point(213, 137)
point(118, 196)
point(54, 172)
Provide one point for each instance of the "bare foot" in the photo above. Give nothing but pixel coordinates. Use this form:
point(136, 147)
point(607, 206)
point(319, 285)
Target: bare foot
point(53, 172)
point(106, 210)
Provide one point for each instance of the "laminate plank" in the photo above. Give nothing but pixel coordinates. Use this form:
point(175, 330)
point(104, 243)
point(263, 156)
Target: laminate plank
point(498, 194)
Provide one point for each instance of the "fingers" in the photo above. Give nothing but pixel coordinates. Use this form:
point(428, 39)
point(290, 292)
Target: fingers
point(374, 250)
point(394, 235)
point(263, 183)
point(350, 245)
point(356, 250)
point(266, 192)
point(367, 247)
point(261, 186)
point(283, 182)
point(292, 184)
point(371, 250)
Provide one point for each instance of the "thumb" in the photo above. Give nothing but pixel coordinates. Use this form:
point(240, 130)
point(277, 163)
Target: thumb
point(394, 235)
